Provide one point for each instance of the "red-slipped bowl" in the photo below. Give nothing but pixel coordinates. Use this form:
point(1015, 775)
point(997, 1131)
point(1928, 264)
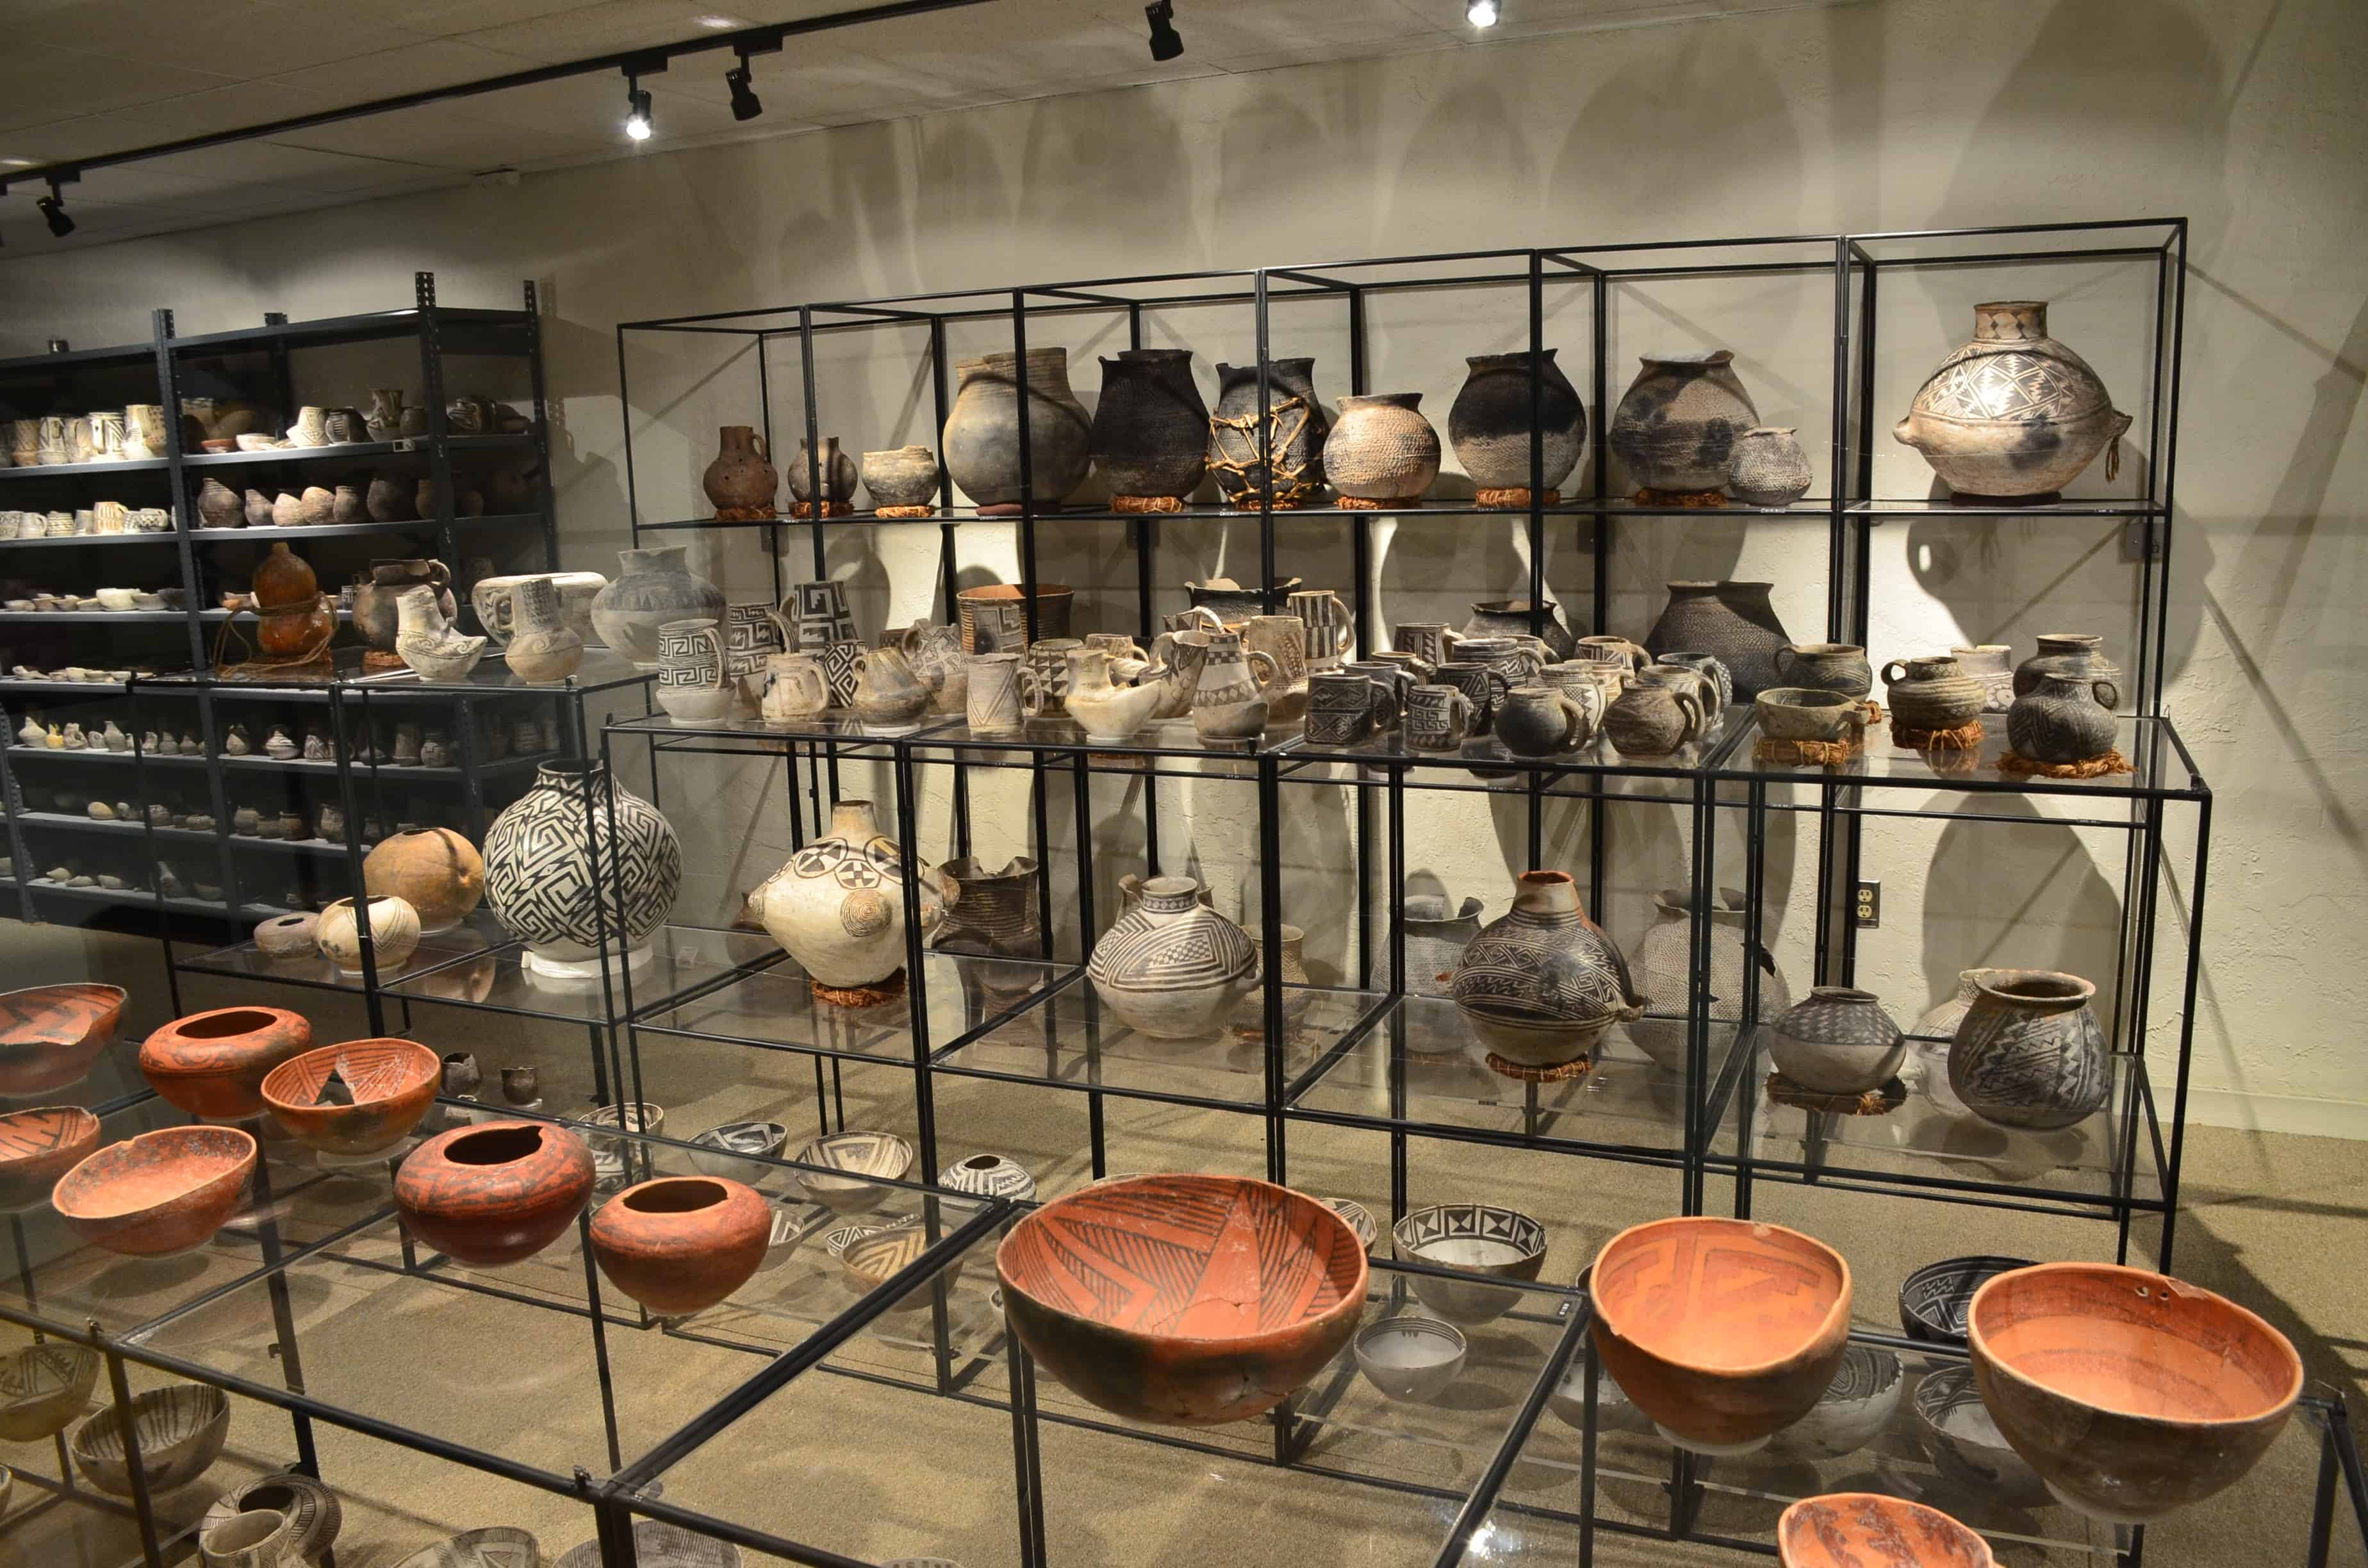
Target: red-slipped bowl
point(212, 1064)
point(391, 1082)
point(158, 1195)
point(51, 1034)
point(494, 1193)
point(1867, 1529)
point(39, 1146)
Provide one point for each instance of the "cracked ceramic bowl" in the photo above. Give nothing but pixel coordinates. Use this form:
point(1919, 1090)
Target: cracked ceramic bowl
point(161, 1194)
point(50, 1035)
point(381, 1089)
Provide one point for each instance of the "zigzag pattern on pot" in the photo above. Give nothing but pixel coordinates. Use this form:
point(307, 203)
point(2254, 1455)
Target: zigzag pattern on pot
point(539, 875)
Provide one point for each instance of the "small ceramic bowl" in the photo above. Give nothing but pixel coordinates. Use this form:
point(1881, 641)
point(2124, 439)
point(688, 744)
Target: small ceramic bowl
point(1477, 1238)
point(1853, 1410)
point(182, 1428)
point(386, 1087)
point(1851, 1529)
point(1935, 1298)
point(51, 1034)
point(1965, 1445)
point(36, 1147)
point(874, 1257)
point(43, 1388)
point(736, 1142)
point(1804, 713)
point(158, 1195)
point(855, 1156)
point(1359, 1218)
point(1410, 1359)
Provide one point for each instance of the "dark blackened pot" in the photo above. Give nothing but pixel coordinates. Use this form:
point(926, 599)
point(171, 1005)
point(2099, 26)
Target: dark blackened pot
point(1151, 429)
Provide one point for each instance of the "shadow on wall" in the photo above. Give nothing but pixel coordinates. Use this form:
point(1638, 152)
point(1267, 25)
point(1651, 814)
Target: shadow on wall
point(2017, 897)
point(1109, 162)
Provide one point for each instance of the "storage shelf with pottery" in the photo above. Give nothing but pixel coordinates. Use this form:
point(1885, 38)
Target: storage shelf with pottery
point(751, 993)
point(2163, 770)
point(88, 470)
point(70, 542)
point(349, 451)
point(251, 535)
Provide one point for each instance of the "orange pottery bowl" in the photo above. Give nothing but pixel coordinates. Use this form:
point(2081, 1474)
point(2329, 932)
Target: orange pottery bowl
point(1189, 1301)
point(158, 1195)
point(679, 1245)
point(389, 1085)
point(2131, 1394)
point(51, 1034)
point(1721, 1331)
point(39, 1146)
point(1866, 1530)
point(495, 1193)
point(212, 1064)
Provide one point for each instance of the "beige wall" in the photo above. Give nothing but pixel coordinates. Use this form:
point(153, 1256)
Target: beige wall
point(2244, 118)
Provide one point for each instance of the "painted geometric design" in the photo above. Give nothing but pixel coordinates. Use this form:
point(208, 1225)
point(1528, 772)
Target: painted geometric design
point(1426, 1228)
point(1552, 976)
point(49, 1034)
point(657, 1544)
point(873, 863)
point(1725, 1295)
point(27, 1136)
point(43, 1387)
point(1170, 941)
point(497, 1546)
point(181, 1429)
point(540, 855)
point(881, 1154)
point(2038, 382)
point(1196, 1257)
point(1936, 1297)
point(1861, 1530)
point(2029, 1069)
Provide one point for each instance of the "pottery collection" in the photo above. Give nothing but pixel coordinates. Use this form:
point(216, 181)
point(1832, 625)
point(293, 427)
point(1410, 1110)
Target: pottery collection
point(494, 1193)
point(496, 600)
point(1480, 1240)
point(540, 877)
point(1172, 968)
point(2012, 415)
point(1151, 428)
point(654, 587)
point(2029, 1051)
point(679, 1245)
point(1679, 422)
point(1381, 448)
point(212, 1064)
point(1836, 1041)
point(382, 1089)
point(740, 482)
point(1283, 444)
point(980, 440)
point(160, 1194)
point(1265, 1289)
point(1541, 985)
point(837, 907)
point(1489, 423)
point(1721, 1331)
point(1932, 693)
point(1735, 622)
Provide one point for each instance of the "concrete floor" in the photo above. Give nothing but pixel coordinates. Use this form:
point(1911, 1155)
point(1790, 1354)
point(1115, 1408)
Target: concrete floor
point(875, 1471)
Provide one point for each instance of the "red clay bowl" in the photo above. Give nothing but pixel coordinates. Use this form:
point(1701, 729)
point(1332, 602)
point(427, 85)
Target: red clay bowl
point(495, 1193)
point(2131, 1394)
point(51, 1034)
point(160, 1194)
point(1190, 1300)
point(391, 1083)
point(1865, 1529)
point(39, 1146)
point(212, 1064)
point(679, 1245)
point(1721, 1331)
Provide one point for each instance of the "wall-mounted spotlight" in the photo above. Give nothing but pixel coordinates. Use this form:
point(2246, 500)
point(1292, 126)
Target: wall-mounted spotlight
point(637, 110)
point(1483, 12)
point(53, 211)
point(745, 102)
point(1167, 43)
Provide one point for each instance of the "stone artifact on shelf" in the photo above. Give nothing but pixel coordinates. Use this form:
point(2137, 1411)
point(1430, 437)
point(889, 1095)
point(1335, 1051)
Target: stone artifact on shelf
point(180, 1429)
point(428, 642)
point(494, 1193)
point(740, 482)
point(1677, 426)
point(2012, 417)
point(1150, 430)
point(654, 588)
point(837, 907)
point(1409, 1359)
point(1264, 1286)
point(1541, 985)
point(903, 482)
point(981, 439)
point(2132, 1394)
point(694, 684)
point(1855, 1409)
point(1836, 1041)
point(1292, 431)
point(50, 1035)
point(539, 876)
point(1721, 1331)
point(856, 1169)
point(43, 1388)
point(36, 1147)
point(544, 646)
point(356, 1098)
point(1733, 621)
point(1172, 968)
point(393, 935)
point(1768, 468)
point(1851, 1529)
point(160, 1194)
point(838, 480)
point(679, 1245)
point(2064, 720)
point(2030, 1052)
point(1490, 421)
point(1476, 1239)
point(212, 1064)
point(1381, 453)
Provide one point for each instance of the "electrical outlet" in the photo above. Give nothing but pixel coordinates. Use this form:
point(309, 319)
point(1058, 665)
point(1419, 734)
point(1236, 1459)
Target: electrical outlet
point(1869, 911)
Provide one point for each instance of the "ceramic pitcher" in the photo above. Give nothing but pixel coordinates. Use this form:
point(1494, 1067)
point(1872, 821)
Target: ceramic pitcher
point(935, 655)
point(1002, 693)
point(1330, 629)
point(1229, 704)
point(889, 697)
point(793, 688)
point(692, 685)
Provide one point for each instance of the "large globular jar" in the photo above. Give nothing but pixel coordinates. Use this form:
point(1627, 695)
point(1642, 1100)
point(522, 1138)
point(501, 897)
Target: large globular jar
point(2030, 1051)
point(1295, 427)
point(1488, 425)
point(658, 586)
point(1543, 985)
point(838, 908)
point(2012, 415)
point(1678, 423)
point(1735, 622)
point(982, 435)
point(1381, 451)
point(1171, 966)
point(564, 881)
point(1150, 430)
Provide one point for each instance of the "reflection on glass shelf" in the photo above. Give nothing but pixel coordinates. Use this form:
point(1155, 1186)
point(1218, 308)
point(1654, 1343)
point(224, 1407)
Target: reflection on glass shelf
point(437, 949)
point(602, 669)
point(1487, 761)
point(1634, 1097)
point(2150, 745)
point(677, 957)
point(1951, 506)
point(719, 994)
point(837, 726)
point(1929, 1136)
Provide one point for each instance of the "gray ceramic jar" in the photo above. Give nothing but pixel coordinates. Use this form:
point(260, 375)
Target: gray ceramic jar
point(1381, 448)
point(982, 435)
point(1489, 423)
point(2080, 655)
point(1296, 425)
point(1836, 1041)
point(1736, 622)
point(1678, 423)
point(2013, 414)
point(1768, 468)
point(1436, 932)
point(1542, 985)
point(2029, 1051)
point(656, 587)
point(1825, 666)
point(2064, 720)
point(1932, 693)
point(1151, 428)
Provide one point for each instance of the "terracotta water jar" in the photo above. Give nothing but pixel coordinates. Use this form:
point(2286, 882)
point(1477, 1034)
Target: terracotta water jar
point(980, 440)
point(212, 1064)
point(1541, 985)
point(1151, 429)
point(655, 588)
point(2029, 1051)
point(1295, 427)
point(679, 1245)
point(1678, 422)
point(1382, 449)
point(1171, 966)
point(2012, 415)
point(837, 907)
point(1490, 421)
point(740, 483)
point(284, 582)
point(494, 1193)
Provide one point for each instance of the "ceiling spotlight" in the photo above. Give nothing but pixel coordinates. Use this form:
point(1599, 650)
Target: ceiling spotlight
point(1167, 43)
point(637, 110)
point(54, 212)
point(1483, 12)
point(745, 102)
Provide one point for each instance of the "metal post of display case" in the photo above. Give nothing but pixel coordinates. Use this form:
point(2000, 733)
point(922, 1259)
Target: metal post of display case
point(917, 999)
point(1270, 988)
point(143, 1507)
point(1599, 553)
point(1027, 1457)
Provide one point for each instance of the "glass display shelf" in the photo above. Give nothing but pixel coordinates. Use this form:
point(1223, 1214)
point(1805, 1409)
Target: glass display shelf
point(740, 987)
point(603, 669)
point(436, 951)
point(1422, 1059)
point(1486, 764)
point(2163, 770)
point(838, 732)
point(1951, 506)
point(1931, 1144)
point(493, 976)
point(205, 535)
point(1165, 748)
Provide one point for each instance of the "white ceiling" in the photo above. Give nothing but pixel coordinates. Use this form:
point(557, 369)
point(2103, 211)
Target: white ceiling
point(83, 77)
